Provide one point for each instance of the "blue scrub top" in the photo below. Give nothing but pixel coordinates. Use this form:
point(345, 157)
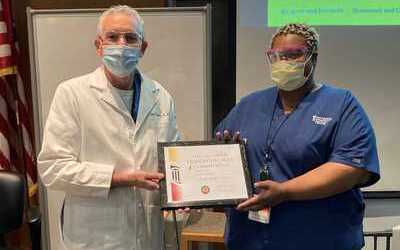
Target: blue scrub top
point(328, 125)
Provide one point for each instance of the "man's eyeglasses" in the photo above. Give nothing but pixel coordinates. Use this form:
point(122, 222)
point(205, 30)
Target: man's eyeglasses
point(131, 38)
point(294, 54)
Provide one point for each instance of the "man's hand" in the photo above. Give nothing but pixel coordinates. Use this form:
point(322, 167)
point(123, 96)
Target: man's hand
point(137, 178)
point(271, 194)
point(146, 180)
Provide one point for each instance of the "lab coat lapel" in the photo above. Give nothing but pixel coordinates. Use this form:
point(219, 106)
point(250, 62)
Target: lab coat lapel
point(106, 94)
point(114, 100)
point(148, 99)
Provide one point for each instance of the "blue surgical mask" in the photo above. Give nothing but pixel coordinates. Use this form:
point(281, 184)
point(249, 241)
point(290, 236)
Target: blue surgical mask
point(121, 60)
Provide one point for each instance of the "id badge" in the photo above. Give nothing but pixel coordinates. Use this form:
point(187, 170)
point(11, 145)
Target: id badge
point(263, 214)
point(260, 215)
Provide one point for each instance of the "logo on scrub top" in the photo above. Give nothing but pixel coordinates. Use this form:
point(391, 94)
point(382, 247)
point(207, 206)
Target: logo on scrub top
point(319, 120)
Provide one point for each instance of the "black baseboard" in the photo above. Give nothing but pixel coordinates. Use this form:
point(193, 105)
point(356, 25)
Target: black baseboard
point(381, 194)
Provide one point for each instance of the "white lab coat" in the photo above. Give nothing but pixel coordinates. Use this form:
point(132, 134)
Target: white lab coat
point(89, 132)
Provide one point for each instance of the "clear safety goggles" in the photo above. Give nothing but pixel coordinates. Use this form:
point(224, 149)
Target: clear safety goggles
point(300, 54)
point(132, 39)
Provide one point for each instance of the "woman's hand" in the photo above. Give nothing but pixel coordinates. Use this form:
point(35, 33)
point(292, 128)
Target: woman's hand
point(227, 136)
point(271, 194)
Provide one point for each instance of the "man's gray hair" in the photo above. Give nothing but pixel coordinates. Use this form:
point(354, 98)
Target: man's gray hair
point(121, 9)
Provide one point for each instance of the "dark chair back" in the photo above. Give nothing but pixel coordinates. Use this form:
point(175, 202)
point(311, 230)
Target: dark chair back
point(12, 195)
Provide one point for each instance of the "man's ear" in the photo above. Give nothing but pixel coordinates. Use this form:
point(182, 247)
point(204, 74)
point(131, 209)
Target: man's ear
point(144, 46)
point(97, 44)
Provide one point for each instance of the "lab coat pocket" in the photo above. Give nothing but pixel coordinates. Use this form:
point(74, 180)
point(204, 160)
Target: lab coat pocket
point(90, 220)
point(160, 121)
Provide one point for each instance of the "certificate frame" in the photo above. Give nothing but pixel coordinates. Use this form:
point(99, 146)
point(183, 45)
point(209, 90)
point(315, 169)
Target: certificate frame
point(245, 177)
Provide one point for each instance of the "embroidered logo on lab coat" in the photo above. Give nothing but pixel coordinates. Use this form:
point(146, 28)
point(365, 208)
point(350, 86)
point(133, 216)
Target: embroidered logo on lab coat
point(319, 120)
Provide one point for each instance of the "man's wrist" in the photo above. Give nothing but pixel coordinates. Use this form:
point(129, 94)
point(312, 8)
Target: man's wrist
point(118, 179)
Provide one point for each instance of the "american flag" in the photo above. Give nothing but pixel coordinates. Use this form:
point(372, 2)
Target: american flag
point(16, 152)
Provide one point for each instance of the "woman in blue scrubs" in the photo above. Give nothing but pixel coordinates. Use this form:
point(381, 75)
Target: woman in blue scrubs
point(317, 146)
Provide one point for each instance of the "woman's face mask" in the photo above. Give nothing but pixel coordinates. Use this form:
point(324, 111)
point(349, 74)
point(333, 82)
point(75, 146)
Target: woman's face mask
point(288, 74)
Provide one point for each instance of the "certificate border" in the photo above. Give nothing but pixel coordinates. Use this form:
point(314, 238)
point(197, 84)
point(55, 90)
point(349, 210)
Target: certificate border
point(165, 205)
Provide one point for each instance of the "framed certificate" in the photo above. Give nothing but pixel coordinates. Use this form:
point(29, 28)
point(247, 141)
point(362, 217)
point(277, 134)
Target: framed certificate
point(203, 174)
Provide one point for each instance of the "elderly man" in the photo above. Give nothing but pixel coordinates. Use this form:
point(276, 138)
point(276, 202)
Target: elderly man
point(100, 144)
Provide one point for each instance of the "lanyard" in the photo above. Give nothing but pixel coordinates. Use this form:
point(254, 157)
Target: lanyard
point(265, 171)
point(271, 137)
point(137, 82)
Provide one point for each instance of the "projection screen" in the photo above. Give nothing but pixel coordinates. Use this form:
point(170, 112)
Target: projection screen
point(359, 50)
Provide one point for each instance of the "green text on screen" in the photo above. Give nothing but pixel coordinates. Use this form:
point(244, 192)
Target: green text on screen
point(333, 12)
